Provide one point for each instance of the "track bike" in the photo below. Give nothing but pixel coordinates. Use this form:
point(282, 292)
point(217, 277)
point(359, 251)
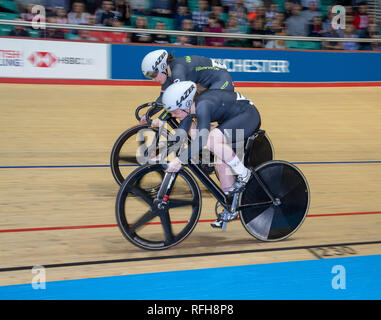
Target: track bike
point(156, 210)
point(126, 153)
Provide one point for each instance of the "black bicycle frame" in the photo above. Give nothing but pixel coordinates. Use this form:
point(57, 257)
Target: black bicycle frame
point(209, 183)
point(200, 174)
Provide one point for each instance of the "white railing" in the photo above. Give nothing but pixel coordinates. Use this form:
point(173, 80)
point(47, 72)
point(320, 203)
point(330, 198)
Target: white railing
point(176, 32)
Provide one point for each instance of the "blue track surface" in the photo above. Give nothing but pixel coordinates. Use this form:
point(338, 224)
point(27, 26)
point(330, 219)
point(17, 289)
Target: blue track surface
point(354, 278)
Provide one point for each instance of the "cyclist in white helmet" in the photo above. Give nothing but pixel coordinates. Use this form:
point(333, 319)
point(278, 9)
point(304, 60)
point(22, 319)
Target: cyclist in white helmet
point(164, 68)
point(237, 119)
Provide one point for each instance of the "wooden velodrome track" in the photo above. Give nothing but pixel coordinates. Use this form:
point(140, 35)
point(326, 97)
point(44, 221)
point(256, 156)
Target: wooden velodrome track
point(55, 143)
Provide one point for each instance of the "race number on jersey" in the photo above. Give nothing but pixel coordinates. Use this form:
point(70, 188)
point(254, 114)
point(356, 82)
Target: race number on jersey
point(218, 64)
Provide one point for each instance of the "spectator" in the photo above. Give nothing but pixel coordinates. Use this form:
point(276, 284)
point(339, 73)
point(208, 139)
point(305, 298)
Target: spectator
point(28, 15)
point(124, 9)
point(84, 35)
point(361, 19)
point(251, 5)
point(306, 4)
point(99, 35)
point(277, 31)
point(240, 9)
point(375, 46)
point(108, 14)
point(296, 25)
point(311, 12)
point(162, 8)
point(349, 32)
point(99, 11)
point(228, 5)
point(288, 9)
point(332, 45)
point(373, 30)
point(141, 37)
point(214, 25)
point(218, 11)
point(19, 31)
point(51, 6)
point(272, 12)
point(257, 28)
point(61, 15)
point(160, 38)
point(372, 18)
point(327, 22)
point(116, 37)
point(240, 12)
point(182, 13)
point(52, 33)
point(187, 25)
point(316, 27)
point(78, 14)
point(200, 17)
point(140, 7)
point(93, 5)
point(370, 32)
point(272, 29)
point(259, 13)
point(233, 27)
point(280, 19)
point(182, 40)
point(349, 20)
point(348, 10)
point(181, 3)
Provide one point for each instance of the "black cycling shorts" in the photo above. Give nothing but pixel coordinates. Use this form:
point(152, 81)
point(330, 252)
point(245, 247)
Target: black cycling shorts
point(243, 125)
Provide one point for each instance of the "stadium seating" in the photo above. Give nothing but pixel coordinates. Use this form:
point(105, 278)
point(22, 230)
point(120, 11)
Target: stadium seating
point(8, 16)
point(9, 5)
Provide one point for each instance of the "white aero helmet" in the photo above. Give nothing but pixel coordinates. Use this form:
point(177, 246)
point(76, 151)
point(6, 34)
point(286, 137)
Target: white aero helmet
point(179, 95)
point(154, 62)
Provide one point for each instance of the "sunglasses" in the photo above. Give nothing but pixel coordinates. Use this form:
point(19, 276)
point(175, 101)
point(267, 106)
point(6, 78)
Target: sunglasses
point(151, 75)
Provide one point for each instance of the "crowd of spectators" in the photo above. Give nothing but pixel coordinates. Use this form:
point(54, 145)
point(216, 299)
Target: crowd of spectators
point(311, 18)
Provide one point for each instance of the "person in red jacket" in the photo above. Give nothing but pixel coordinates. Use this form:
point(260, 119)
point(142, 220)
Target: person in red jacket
point(361, 18)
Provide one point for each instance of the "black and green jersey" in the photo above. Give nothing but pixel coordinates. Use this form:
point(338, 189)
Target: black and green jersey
point(205, 72)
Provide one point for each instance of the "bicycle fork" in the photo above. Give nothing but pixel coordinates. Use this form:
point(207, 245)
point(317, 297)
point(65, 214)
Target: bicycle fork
point(165, 189)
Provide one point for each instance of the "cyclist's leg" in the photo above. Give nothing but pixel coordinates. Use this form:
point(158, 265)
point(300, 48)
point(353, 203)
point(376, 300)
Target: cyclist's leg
point(231, 131)
point(218, 142)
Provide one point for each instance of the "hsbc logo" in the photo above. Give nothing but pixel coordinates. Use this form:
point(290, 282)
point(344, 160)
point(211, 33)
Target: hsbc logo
point(48, 60)
point(43, 59)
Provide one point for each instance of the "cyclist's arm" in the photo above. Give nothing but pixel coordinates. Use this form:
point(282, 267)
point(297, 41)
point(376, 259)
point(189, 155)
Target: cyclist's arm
point(202, 134)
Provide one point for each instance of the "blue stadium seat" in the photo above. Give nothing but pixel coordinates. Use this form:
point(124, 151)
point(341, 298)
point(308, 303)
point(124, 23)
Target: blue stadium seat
point(5, 30)
point(8, 16)
point(34, 33)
